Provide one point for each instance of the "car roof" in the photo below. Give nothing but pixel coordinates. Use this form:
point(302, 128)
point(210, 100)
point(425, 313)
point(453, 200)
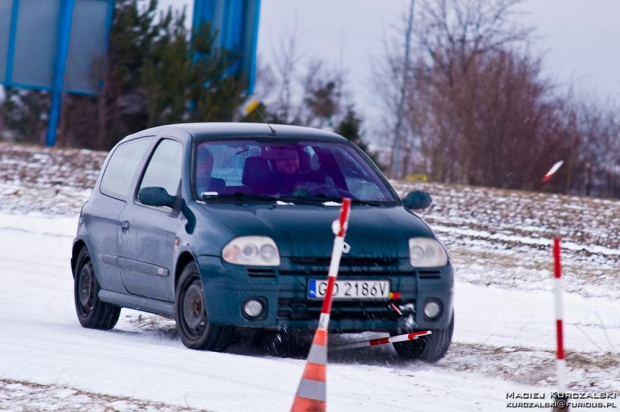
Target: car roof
point(218, 130)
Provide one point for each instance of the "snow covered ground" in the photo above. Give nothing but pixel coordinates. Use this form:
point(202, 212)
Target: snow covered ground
point(504, 335)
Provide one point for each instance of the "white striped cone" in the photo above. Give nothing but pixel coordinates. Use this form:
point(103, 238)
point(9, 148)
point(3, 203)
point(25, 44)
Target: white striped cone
point(311, 392)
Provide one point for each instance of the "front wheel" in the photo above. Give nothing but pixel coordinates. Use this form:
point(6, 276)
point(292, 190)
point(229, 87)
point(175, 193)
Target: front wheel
point(191, 316)
point(429, 348)
point(92, 313)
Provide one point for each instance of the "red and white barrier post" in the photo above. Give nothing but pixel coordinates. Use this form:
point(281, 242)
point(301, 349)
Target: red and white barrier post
point(560, 364)
point(552, 171)
point(383, 341)
point(311, 392)
point(339, 228)
point(559, 316)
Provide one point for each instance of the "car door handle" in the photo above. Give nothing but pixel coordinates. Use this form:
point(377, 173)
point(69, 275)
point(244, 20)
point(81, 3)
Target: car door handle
point(125, 226)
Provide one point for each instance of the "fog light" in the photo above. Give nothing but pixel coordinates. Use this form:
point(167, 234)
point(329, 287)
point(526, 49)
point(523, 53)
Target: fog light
point(253, 308)
point(432, 309)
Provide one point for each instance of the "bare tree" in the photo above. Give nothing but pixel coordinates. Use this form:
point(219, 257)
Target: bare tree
point(307, 91)
point(387, 84)
point(454, 32)
point(286, 67)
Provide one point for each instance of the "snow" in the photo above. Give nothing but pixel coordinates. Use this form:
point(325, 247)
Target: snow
point(504, 336)
point(42, 342)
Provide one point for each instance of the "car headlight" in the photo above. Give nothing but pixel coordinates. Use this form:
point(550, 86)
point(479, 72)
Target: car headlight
point(426, 252)
point(252, 251)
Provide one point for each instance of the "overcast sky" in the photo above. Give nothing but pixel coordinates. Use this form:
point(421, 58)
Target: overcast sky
point(580, 38)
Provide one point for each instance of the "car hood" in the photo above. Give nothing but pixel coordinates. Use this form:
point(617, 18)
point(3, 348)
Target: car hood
point(305, 230)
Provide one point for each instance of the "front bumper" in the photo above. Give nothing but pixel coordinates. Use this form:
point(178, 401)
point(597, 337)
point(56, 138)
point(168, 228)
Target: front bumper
point(283, 291)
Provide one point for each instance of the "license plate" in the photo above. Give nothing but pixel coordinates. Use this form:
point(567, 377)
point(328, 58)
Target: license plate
point(350, 289)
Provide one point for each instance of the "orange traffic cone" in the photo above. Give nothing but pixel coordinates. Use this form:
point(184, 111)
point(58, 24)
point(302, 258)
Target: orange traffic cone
point(311, 392)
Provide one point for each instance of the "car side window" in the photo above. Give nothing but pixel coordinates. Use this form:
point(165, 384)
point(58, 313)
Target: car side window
point(164, 168)
point(122, 167)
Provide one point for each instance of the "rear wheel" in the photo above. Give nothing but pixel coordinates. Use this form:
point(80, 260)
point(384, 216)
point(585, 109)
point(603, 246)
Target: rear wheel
point(92, 313)
point(191, 316)
point(429, 348)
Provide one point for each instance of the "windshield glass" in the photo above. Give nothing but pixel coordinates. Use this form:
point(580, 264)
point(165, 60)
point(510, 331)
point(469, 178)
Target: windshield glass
point(287, 171)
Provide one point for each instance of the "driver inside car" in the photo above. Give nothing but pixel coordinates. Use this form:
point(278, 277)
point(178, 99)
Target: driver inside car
point(292, 174)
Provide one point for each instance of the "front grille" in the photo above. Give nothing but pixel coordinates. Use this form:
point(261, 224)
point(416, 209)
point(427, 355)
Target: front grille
point(345, 261)
point(304, 309)
point(349, 266)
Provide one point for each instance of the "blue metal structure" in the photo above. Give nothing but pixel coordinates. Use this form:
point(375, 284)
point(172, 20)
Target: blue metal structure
point(11, 51)
point(62, 51)
point(236, 24)
point(53, 45)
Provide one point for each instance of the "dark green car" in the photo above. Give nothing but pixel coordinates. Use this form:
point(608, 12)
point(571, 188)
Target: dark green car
point(229, 226)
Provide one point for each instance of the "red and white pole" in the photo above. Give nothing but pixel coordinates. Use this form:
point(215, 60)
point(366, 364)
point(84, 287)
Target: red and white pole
point(552, 171)
point(339, 228)
point(311, 393)
point(559, 316)
point(383, 341)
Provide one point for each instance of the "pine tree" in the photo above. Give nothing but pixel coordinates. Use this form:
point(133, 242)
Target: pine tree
point(215, 94)
point(188, 80)
point(323, 102)
point(350, 128)
point(122, 108)
point(155, 74)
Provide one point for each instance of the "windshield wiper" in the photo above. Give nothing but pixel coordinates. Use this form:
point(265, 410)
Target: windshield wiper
point(325, 199)
point(304, 200)
point(240, 196)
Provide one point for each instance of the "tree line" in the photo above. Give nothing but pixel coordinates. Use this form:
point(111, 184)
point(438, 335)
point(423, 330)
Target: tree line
point(478, 106)
point(481, 111)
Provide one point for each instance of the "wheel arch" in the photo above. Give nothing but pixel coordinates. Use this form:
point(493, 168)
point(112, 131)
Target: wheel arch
point(184, 259)
point(77, 248)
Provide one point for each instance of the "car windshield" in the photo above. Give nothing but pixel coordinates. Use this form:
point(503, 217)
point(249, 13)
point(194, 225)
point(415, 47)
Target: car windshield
point(290, 171)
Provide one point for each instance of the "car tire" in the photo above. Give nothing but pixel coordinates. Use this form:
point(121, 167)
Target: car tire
point(91, 312)
point(429, 348)
point(191, 315)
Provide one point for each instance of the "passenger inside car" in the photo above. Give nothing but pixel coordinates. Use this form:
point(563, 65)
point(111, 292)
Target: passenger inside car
point(205, 183)
point(285, 171)
point(256, 172)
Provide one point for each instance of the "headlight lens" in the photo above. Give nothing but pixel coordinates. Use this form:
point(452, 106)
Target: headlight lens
point(252, 251)
point(427, 252)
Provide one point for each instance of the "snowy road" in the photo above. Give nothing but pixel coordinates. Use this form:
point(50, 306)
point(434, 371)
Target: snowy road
point(503, 343)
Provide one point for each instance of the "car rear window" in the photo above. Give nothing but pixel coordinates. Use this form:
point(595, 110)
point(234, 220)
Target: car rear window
point(121, 168)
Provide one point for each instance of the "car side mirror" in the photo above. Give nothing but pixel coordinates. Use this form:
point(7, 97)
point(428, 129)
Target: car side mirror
point(156, 196)
point(417, 199)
